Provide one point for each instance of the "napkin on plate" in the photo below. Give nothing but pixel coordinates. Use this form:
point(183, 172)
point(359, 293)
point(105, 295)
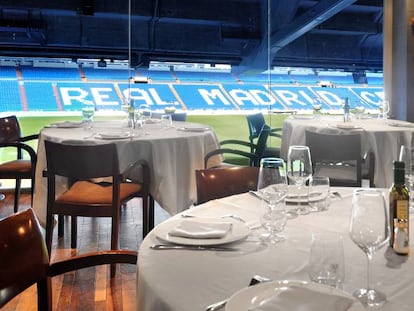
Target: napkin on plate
point(305, 299)
point(201, 230)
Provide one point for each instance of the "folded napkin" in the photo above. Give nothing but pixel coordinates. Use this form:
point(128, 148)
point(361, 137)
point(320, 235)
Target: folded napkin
point(200, 230)
point(305, 299)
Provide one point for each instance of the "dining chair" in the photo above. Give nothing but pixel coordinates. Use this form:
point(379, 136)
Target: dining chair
point(88, 195)
point(241, 148)
point(20, 168)
point(215, 183)
point(25, 260)
point(338, 157)
point(255, 123)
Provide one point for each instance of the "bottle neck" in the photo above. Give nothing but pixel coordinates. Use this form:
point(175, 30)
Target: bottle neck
point(399, 176)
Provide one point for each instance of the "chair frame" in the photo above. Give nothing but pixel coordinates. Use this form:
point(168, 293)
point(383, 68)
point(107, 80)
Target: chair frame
point(215, 183)
point(255, 123)
point(254, 157)
point(10, 136)
point(350, 151)
point(60, 162)
point(25, 259)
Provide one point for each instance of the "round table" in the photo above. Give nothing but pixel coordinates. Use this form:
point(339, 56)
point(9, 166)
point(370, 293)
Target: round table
point(173, 154)
point(383, 137)
point(188, 280)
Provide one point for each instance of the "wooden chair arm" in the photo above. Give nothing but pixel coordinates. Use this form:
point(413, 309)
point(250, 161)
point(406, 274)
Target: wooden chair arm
point(92, 259)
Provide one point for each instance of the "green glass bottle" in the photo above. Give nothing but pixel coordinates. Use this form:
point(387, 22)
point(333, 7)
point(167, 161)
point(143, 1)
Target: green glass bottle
point(399, 199)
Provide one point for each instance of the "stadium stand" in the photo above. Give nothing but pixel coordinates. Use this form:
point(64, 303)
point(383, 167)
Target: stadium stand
point(62, 89)
point(8, 72)
point(50, 74)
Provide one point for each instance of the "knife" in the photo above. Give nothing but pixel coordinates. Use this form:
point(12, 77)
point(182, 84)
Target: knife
point(193, 247)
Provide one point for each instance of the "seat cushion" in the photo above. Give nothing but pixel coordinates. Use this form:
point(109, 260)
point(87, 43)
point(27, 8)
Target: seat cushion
point(86, 192)
point(21, 166)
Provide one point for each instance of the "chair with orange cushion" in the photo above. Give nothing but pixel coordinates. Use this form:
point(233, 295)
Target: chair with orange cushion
point(82, 165)
point(215, 183)
point(25, 260)
point(21, 167)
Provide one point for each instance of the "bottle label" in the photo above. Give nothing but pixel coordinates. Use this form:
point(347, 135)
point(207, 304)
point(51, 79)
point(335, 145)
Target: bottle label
point(402, 209)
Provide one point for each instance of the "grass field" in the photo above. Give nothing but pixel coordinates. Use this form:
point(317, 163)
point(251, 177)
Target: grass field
point(225, 126)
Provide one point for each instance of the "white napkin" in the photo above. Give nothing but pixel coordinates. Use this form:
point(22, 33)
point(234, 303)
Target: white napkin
point(67, 124)
point(200, 230)
point(304, 299)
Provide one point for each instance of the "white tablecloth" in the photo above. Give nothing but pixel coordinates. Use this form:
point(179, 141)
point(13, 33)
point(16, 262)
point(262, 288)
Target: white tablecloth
point(182, 280)
point(173, 156)
point(383, 138)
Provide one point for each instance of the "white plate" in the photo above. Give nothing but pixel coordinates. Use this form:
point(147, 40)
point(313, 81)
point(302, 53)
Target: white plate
point(193, 129)
point(347, 126)
point(238, 232)
point(110, 136)
point(67, 124)
point(253, 297)
point(397, 123)
point(152, 121)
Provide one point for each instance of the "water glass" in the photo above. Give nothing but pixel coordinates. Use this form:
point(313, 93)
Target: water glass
point(88, 111)
point(318, 196)
point(326, 259)
point(166, 120)
point(273, 220)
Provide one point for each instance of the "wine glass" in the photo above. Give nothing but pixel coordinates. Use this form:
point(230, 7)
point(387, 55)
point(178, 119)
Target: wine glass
point(272, 182)
point(384, 109)
point(369, 230)
point(407, 156)
point(299, 170)
point(272, 187)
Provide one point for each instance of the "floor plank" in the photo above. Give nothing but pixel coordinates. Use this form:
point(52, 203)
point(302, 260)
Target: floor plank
point(90, 288)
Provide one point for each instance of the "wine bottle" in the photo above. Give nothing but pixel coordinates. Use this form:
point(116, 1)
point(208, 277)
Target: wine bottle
point(399, 211)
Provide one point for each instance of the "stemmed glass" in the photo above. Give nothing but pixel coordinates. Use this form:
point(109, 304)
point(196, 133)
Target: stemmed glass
point(407, 156)
point(384, 108)
point(272, 187)
point(299, 170)
point(369, 230)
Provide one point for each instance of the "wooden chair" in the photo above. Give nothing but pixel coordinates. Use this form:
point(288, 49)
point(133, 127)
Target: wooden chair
point(217, 183)
point(25, 260)
point(20, 168)
point(236, 149)
point(81, 164)
point(338, 157)
point(255, 122)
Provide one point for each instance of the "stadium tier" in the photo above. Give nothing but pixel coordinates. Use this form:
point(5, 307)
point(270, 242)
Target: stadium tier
point(47, 90)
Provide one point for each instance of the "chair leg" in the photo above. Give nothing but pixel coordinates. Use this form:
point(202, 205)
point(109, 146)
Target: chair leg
point(44, 294)
point(73, 231)
point(17, 195)
point(151, 215)
point(61, 225)
point(114, 239)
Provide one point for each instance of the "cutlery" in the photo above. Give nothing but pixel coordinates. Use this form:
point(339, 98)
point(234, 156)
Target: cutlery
point(257, 279)
point(193, 247)
point(256, 195)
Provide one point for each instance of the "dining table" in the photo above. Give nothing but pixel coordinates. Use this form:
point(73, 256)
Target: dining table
point(184, 278)
point(173, 153)
point(382, 137)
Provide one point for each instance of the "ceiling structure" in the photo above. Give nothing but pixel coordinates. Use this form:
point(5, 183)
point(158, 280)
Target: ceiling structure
point(250, 35)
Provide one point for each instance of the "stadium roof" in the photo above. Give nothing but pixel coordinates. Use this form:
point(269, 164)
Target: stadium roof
point(321, 34)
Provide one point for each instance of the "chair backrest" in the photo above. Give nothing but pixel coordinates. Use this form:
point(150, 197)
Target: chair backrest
point(9, 129)
point(23, 255)
point(261, 144)
point(336, 150)
point(81, 161)
point(255, 123)
point(221, 182)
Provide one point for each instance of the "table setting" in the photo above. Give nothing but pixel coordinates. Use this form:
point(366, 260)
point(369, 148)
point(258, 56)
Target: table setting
point(313, 260)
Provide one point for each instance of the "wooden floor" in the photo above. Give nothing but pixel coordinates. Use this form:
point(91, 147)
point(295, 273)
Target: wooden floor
point(90, 288)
